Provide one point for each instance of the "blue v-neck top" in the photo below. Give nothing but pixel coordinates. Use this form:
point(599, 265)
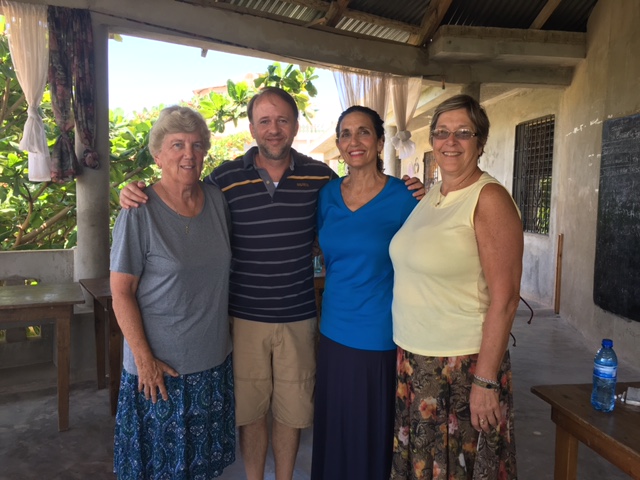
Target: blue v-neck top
point(356, 304)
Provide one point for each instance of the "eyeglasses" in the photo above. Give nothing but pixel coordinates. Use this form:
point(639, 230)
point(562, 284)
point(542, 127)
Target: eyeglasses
point(461, 134)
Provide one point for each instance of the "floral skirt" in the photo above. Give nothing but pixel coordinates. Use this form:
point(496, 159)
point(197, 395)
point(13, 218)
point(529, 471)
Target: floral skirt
point(433, 435)
point(190, 436)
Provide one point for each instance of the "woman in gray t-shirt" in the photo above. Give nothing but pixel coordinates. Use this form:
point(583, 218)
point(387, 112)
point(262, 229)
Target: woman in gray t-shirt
point(170, 265)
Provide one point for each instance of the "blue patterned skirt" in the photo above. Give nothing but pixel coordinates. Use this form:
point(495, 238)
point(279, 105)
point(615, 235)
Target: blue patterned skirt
point(190, 436)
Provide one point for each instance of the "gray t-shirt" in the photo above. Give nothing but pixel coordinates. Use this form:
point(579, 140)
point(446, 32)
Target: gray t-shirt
point(184, 279)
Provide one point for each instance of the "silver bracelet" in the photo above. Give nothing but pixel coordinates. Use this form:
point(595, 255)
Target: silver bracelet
point(486, 380)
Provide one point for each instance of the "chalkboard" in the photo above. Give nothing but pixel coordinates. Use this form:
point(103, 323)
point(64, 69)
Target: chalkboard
point(617, 265)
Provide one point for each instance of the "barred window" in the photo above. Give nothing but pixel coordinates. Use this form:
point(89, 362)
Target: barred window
point(533, 163)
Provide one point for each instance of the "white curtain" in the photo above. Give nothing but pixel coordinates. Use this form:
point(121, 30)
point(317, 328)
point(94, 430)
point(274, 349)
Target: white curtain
point(366, 89)
point(405, 93)
point(28, 43)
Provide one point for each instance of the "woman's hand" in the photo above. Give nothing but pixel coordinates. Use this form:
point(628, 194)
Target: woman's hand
point(414, 184)
point(484, 405)
point(151, 378)
point(125, 306)
point(132, 195)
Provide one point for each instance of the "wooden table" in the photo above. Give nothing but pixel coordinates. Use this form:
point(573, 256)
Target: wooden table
point(615, 436)
point(34, 305)
point(100, 290)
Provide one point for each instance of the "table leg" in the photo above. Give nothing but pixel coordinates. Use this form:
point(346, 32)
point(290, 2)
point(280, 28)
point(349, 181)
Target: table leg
point(98, 319)
point(63, 334)
point(115, 360)
point(566, 464)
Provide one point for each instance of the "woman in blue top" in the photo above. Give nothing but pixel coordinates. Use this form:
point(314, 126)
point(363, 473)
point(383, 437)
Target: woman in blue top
point(355, 378)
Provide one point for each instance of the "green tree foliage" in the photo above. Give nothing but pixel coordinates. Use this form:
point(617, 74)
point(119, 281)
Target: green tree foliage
point(297, 82)
point(42, 215)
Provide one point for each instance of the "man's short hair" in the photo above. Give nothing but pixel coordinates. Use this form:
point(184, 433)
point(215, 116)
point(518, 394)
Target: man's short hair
point(278, 92)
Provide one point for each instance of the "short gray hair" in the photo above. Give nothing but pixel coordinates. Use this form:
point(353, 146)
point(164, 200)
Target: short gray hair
point(177, 119)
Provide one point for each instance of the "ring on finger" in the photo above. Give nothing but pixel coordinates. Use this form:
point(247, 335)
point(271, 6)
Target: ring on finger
point(482, 421)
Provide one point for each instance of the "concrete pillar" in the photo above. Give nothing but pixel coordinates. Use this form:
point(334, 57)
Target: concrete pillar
point(389, 152)
point(472, 89)
point(92, 190)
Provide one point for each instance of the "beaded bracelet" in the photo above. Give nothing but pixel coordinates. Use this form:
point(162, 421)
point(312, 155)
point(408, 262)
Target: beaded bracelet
point(486, 383)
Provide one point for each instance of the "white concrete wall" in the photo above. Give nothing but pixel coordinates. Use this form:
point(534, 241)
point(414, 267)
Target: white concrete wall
point(606, 85)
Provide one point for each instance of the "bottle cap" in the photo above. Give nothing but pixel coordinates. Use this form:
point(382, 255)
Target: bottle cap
point(607, 343)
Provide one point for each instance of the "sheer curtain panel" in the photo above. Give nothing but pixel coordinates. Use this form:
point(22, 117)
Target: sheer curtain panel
point(366, 89)
point(405, 93)
point(28, 42)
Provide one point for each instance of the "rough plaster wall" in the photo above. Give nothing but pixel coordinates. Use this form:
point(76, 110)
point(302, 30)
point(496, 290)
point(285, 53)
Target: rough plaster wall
point(605, 86)
point(48, 266)
point(538, 276)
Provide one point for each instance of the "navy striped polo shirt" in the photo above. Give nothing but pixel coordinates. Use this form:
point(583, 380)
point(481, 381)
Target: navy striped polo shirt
point(271, 237)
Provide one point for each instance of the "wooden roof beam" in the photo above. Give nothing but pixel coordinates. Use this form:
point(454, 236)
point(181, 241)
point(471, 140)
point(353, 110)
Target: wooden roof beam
point(430, 22)
point(544, 14)
point(336, 11)
point(323, 6)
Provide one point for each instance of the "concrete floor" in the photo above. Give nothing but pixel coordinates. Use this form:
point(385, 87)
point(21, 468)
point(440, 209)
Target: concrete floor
point(548, 351)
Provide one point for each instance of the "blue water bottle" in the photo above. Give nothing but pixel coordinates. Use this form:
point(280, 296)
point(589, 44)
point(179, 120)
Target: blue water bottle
point(605, 375)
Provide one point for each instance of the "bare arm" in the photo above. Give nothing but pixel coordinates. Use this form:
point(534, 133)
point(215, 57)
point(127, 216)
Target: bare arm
point(125, 306)
point(414, 184)
point(132, 195)
point(500, 245)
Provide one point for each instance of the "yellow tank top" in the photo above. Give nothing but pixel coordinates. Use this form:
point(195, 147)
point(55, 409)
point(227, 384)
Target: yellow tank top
point(440, 295)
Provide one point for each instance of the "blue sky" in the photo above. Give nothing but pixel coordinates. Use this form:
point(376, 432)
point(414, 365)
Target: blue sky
point(146, 73)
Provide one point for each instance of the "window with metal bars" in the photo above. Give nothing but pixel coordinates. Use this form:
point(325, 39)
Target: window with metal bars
point(533, 164)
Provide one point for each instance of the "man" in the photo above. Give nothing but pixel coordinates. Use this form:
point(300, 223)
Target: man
point(272, 192)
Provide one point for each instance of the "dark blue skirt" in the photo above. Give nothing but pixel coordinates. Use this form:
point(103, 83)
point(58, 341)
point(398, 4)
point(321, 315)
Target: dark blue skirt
point(354, 413)
point(190, 436)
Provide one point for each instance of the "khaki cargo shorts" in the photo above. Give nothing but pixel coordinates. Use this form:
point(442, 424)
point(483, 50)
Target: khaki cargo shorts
point(274, 366)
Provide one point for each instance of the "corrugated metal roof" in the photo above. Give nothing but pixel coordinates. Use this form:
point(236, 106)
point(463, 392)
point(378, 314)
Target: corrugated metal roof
point(569, 16)
point(372, 30)
point(407, 11)
point(503, 13)
point(280, 8)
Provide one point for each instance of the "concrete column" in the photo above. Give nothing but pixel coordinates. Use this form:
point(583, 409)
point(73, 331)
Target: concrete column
point(389, 152)
point(92, 190)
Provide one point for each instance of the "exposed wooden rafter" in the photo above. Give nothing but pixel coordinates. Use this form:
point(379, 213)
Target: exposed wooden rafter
point(318, 5)
point(324, 6)
point(430, 22)
point(336, 11)
point(545, 13)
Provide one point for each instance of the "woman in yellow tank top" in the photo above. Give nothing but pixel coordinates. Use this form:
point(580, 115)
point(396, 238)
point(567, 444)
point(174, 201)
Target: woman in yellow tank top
point(453, 308)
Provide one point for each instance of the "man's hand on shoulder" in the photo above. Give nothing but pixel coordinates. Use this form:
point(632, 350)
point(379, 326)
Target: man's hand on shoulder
point(415, 184)
point(132, 195)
